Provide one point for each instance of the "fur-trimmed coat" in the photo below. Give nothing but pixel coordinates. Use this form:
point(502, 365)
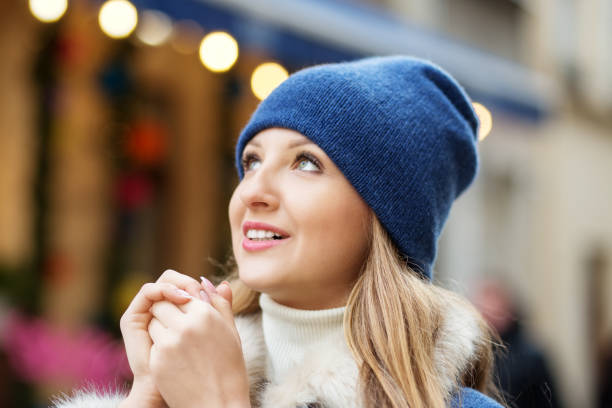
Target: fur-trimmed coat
point(328, 378)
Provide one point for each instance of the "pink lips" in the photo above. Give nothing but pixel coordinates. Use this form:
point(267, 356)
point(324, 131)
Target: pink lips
point(250, 245)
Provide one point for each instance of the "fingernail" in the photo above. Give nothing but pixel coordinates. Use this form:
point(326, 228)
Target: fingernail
point(204, 296)
point(184, 294)
point(208, 285)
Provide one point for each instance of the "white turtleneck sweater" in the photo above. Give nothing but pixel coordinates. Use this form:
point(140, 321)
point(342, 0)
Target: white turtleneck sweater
point(289, 333)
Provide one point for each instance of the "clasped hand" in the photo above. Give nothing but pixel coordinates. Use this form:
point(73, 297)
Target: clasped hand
point(183, 346)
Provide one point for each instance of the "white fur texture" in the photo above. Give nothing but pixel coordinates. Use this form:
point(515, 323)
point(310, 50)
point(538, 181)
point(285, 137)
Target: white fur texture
point(327, 377)
point(457, 341)
point(88, 399)
point(330, 376)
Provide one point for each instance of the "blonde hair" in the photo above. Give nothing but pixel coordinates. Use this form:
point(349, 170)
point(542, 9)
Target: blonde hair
point(392, 321)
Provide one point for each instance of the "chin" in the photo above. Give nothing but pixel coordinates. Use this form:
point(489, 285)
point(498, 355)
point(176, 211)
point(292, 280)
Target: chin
point(259, 276)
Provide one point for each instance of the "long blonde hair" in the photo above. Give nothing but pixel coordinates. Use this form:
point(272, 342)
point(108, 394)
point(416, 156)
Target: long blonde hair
point(392, 321)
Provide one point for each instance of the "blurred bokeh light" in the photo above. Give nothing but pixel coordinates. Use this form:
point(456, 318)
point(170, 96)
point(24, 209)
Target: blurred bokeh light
point(218, 51)
point(486, 120)
point(48, 11)
point(266, 77)
point(154, 27)
point(186, 37)
point(118, 18)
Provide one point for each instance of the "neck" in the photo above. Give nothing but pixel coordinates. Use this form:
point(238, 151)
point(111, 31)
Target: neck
point(330, 297)
point(289, 333)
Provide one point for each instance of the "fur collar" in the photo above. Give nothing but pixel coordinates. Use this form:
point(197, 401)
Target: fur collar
point(328, 378)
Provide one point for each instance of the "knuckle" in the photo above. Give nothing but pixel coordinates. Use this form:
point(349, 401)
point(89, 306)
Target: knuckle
point(155, 307)
point(147, 287)
point(167, 286)
point(167, 274)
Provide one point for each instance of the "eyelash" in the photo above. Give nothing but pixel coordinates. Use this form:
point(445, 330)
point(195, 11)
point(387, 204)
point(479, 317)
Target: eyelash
point(248, 157)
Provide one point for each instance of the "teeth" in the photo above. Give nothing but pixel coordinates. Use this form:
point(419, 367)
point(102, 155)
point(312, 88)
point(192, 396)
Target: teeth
point(261, 234)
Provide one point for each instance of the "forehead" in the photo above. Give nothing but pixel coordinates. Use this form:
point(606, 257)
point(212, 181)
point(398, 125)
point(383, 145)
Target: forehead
point(279, 137)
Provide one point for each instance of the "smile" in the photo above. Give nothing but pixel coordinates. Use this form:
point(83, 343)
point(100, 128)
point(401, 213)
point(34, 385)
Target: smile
point(261, 244)
point(259, 236)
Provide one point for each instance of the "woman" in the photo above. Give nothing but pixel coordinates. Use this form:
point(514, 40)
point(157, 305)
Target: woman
point(348, 172)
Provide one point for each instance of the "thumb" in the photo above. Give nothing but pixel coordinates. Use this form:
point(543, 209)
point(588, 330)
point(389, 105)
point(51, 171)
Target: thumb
point(222, 301)
point(224, 290)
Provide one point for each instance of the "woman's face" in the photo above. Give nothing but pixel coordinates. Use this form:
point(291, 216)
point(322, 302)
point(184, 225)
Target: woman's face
point(299, 229)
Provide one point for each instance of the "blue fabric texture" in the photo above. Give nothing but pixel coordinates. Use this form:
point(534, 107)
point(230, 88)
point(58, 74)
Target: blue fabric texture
point(402, 131)
point(470, 398)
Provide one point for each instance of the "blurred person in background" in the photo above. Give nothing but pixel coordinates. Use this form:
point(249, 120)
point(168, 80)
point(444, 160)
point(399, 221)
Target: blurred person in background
point(522, 369)
point(348, 172)
point(605, 376)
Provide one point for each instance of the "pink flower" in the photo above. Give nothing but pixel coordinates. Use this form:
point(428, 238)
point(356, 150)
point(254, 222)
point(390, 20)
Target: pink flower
point(39, 352)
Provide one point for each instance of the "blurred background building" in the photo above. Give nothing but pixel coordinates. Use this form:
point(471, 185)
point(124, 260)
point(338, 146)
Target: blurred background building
point(117, 127)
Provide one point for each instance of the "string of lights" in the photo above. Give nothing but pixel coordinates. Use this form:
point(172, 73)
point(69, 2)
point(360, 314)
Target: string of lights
point(218, 50)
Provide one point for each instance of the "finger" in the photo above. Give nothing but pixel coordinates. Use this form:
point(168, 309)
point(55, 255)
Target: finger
point(170, 315)
point(154, 292)
point(208, 289)
point(225, 290)
point(157, 331)
point(217, 300)
point(181, 281)
point(223, 302)
point(137, 317)
point(208, 286)
point(203, 296)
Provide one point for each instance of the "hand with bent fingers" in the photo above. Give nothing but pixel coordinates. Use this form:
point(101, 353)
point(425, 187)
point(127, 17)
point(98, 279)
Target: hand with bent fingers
point(173, 287)
point(134, 329)
point(196, 358)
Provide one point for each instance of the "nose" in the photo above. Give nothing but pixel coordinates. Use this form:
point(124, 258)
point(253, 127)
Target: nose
point(258, 191)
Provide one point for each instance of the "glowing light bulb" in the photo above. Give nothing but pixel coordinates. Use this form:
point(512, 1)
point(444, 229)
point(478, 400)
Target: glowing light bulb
point(266, 77)
point(218, 51)
point(48, 11)
point(118, 18)
point(486, 120)
point(154, 28)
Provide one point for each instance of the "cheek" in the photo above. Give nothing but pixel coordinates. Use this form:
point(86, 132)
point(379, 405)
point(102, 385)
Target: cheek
point(335, 226)
point(236, 211)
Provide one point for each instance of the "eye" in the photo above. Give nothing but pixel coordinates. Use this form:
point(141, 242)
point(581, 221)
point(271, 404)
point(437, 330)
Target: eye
point(250, 162)
point(307, 162)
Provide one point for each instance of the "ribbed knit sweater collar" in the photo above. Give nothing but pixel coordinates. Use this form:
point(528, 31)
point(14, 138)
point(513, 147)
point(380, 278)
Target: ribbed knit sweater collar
point(290, 333)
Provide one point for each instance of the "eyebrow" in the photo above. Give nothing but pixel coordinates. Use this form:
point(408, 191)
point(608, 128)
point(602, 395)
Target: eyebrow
point(291, 145)
point(299, 143)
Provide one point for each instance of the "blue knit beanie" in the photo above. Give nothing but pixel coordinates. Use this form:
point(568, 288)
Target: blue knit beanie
point(401, 130)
